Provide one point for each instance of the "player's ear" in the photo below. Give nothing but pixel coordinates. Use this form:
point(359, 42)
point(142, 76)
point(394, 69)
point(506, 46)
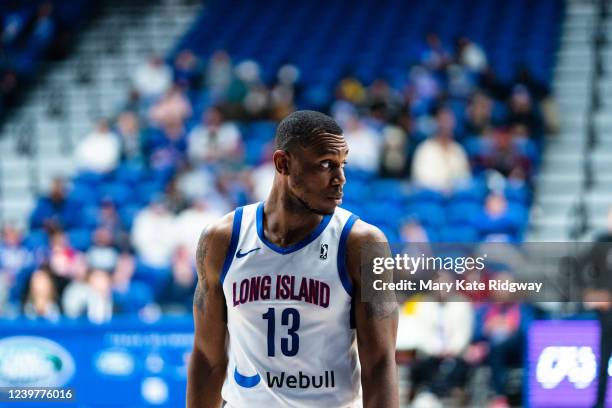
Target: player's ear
point(281, 162)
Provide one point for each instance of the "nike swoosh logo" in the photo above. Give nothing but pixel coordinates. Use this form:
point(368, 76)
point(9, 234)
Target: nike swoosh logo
point(243, 254)
point(245, 380)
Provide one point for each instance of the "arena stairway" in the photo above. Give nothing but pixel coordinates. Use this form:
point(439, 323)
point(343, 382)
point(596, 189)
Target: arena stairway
point(37, 141)
point(560, 183)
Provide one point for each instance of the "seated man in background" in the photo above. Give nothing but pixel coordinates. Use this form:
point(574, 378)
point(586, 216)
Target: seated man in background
point(444, 321)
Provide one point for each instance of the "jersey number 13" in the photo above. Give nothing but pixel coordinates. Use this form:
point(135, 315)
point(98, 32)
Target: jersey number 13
point(290, 344)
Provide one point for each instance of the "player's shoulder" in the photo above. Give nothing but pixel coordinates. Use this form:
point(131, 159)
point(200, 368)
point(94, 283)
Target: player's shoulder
point(363, 232)
point(219, 232)
point(214, 244)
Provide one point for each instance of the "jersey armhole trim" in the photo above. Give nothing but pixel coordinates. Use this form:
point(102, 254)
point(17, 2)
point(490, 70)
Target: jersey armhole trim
point(231, 251)
point(341, 261)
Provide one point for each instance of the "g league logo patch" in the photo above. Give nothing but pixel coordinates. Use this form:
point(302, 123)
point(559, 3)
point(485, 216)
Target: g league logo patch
point(323, 253)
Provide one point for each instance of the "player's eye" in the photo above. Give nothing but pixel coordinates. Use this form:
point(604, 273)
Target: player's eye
point(326, 164)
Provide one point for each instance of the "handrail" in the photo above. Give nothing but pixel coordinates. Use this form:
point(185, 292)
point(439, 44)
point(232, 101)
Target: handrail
point(579, 213)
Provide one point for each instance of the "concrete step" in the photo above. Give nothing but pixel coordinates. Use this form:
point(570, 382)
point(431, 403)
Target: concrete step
point(598, 212)
point(17, 211)
point(557, 200)
point(559, 187)
point(566, 144)
point(567, 157)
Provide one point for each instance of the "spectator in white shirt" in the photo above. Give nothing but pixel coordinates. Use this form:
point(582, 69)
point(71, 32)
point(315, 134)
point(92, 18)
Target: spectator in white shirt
point(471, 55)
point(191, 221)
point(99, 151)
point(153, 78)
point(440, 162)
point(364, 144)
point(153, 235)
point(92, 297)
point(444, 322)
point(214, 139)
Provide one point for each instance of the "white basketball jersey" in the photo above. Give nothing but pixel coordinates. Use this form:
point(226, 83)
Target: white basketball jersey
point(291, 337)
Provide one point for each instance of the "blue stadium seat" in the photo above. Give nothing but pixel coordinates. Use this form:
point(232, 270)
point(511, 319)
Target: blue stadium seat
point(428, 213)
point(80, 238)
point(462, 212)
point(459, 233)
point(119, 193)
point(36, 239)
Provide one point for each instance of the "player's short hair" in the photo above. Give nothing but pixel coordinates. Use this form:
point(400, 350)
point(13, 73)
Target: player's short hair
point(301, 127)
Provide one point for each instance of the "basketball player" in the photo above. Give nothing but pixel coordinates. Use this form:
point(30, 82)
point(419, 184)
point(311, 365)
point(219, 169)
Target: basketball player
point(279, 320)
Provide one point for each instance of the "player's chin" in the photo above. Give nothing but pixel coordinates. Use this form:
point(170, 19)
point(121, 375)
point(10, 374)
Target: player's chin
point(330, 204)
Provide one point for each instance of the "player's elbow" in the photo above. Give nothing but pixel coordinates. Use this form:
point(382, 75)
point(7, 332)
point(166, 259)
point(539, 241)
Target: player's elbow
point(202, 364)
point(379, 381)
point(204, 380)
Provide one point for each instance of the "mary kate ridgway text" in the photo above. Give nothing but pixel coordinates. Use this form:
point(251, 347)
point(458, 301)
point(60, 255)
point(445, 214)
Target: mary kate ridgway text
point(460, 285)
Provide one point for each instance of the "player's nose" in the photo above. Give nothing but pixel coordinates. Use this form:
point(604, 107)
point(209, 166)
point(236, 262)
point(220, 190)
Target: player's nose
point(338, 178)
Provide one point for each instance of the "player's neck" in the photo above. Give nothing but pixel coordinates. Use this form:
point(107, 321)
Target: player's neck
point(286, 221)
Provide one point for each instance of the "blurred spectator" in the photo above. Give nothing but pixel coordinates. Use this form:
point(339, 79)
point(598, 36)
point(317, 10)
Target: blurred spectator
point(235, 187)
point(153, 78)
point(502, 326)
point(192, 221)
point(167, 153)
point(219, 74)
point(102, 255)
point(435, 56)
point(153, 235)
point(174, 201)
point(444, 322)
point(411, 231)
point(53, 210)
point(364, 144)
point(522, 111)
point(255, 96)
point(502, 152)
point(187, 70)
point(66, 263)
point(109, 219)
point(471, 55)
point(460, 82)
point(196, 182)
point(236, 92)
point(14, 23)
point(422, 91)
point(41, 300)
point(256, 103)
point(350, 89)
point(183, 282)
point(395, 159)
point(128, 129)
point(130, 296)
point(440, 162)
point(99, 151)
point(44, 28)
point(496, 219)
point(215, 139)
point(91, 298)
point(384, 102)
point(283, 93)
point(262, 178)
point(14, 256)
point(479, 111)
point(171, 111)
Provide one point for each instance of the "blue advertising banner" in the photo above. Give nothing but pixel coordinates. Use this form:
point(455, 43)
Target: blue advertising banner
point(127, 362)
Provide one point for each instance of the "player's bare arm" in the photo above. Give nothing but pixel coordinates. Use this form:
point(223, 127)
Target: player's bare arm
point(376, 325)
point(209, 357)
